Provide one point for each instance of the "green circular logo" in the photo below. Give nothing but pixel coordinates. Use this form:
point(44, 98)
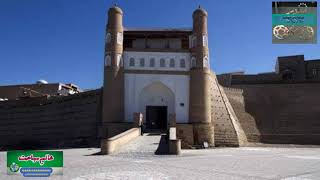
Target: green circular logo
point(14, 167)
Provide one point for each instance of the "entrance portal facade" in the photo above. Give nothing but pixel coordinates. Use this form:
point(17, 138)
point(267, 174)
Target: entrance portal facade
point(142, 90)
point(162, 71)
point(156, 102)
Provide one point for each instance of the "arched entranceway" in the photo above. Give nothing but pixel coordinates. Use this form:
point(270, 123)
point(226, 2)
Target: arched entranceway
point(156, 102)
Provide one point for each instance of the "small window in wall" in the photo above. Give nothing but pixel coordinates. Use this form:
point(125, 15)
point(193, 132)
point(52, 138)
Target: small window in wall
point(205, 62)
point(107, 61)
point(193, 62)
point(205, 40)
point(172, 63)
point(287, 74)
point(314, 72)
point(162, 62)
point(142, 62)
point(131, 62)
point(152, 62)
point(108, 38)
point(166, 44)
point(194, 41)
point(182, 63)
point(119, 38)
point(119, 60)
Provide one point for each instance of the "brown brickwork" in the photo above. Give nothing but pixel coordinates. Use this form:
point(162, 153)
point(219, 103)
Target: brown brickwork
point(111, 129)
point(62, 121)
point(185, 133)
point(199, 109)
point(283, 113)
point(247, 121)
point(203, 132)
point(227, 129)
point(113, 91)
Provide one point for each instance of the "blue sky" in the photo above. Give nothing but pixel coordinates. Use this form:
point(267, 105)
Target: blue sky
point(63, 40)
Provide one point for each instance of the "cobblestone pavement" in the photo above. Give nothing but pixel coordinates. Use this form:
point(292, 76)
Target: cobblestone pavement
point(137, 161)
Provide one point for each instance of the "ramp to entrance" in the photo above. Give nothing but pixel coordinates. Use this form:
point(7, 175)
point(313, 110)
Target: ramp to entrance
point(145, 145)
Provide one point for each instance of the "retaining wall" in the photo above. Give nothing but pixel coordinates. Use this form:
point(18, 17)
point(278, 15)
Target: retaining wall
point(281, 113)
point(61, 121)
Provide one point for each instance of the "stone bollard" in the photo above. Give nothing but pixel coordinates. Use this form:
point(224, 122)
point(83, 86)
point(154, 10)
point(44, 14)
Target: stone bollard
point(105, 147)
point(175, 147)
point(174, 143)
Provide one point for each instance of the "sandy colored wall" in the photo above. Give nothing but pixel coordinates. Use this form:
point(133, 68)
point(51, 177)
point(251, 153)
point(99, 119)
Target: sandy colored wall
point(283, 113)
point(185, 133)
point(247, 121)
point(227, 129)
point(114, 144)
point(68, 121)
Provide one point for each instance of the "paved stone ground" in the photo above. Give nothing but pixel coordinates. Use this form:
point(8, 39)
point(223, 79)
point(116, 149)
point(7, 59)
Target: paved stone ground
point(142, 147)
point(137, 161)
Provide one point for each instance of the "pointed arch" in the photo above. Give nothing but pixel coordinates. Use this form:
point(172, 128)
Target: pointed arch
point(156, 94)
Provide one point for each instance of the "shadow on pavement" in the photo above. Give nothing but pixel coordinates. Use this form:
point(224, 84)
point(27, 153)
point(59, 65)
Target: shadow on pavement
point(163, 147)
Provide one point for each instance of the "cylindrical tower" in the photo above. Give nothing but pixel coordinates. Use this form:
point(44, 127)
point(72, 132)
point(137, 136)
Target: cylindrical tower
point(113, 88)
point(200, 102)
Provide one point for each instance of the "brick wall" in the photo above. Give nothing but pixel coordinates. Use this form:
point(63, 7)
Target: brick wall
point(284, 113)
point(227, 129)
point(247, 121)
point(256, 78)
point(63, 121)
point(185, 133)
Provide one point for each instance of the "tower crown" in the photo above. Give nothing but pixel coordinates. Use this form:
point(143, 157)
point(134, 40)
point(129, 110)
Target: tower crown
point(115, 18)
point(114, 38)
point(199, 12)
point(115, 9)
point(199, 39)
point(200, 21)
